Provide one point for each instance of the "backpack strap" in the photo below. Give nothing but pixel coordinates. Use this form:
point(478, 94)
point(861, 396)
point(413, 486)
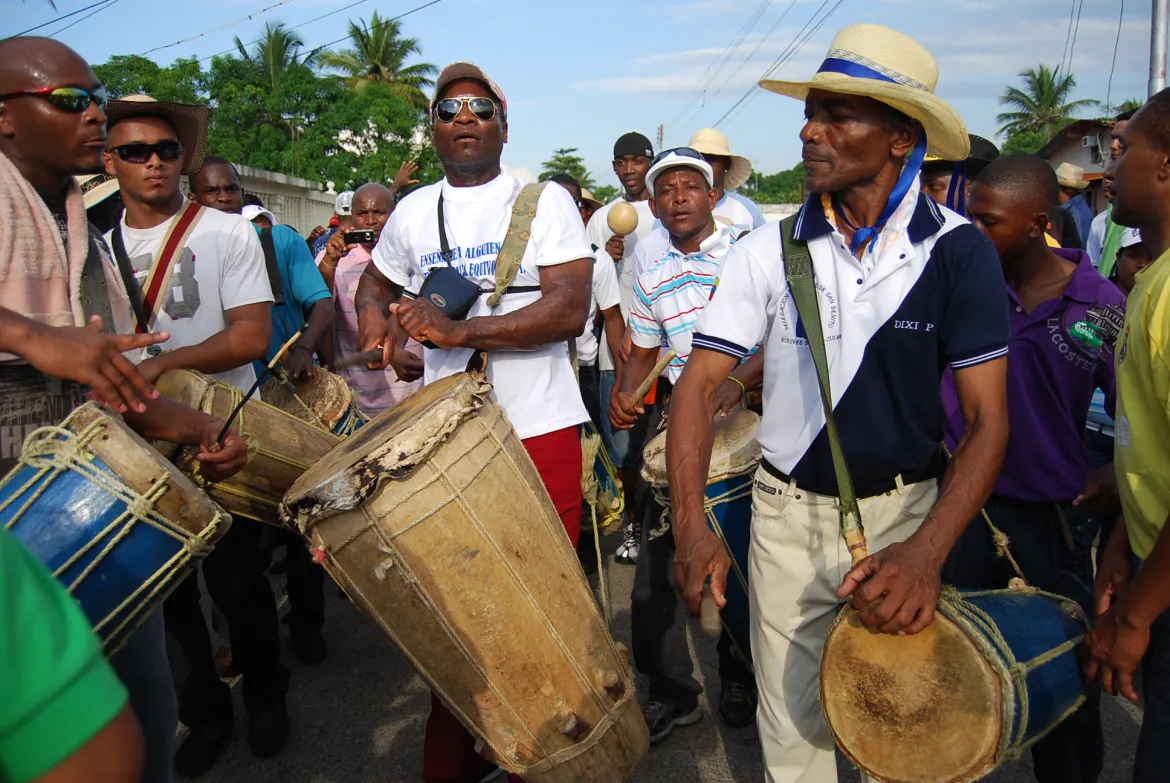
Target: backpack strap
point(269, 246)
point(516, 242)
point(798, 271)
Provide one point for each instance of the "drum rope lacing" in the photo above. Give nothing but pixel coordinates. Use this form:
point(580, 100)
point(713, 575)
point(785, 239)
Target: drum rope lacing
point(995, 648)
point(347, 424)
point(56, 450)
point(591, 489)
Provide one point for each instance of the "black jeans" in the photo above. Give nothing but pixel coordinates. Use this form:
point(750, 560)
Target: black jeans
point(237, 584)
point(589, 379)
point(1075, 751)
point(1153, 750)
point(306, 587)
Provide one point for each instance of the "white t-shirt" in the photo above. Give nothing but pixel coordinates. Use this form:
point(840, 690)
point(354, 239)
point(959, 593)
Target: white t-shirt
point(536, 387)
point(604, 296)
point(599, 234)
point(221, 267)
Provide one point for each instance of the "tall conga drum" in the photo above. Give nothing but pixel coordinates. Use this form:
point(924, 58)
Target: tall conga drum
point(993, 673)
point(735, 455)
point(322, 399)
point(434, 520)
point(114, 521)
point(280, 446)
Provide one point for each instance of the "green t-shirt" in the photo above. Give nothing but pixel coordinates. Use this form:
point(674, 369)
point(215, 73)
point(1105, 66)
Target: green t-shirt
point(56, 688)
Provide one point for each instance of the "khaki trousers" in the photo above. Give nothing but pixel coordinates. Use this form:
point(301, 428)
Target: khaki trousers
point(796, 564)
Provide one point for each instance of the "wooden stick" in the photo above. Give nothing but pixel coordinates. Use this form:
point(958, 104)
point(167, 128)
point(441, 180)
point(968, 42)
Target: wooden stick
point(357, 359)
point(284, 349)
point(644, 388)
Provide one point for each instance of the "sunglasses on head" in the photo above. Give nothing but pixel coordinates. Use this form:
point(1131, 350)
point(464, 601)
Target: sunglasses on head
point(448, 109)
point(140, 152)
point(685, 152)
point(71, 99)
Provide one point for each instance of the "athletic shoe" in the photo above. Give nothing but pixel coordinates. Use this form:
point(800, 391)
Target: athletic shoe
point(662, 717)
point(737, 704)
point(627, 551)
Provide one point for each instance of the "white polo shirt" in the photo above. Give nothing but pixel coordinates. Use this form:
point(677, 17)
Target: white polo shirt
point(603, 296)
point(536, 387)
point(928, 295)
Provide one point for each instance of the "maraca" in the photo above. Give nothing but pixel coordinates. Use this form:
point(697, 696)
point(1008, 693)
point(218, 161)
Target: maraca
point(622, 218)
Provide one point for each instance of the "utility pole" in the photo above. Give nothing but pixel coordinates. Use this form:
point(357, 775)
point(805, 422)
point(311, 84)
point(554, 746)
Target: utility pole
point(662, 128)
point(1158, 27)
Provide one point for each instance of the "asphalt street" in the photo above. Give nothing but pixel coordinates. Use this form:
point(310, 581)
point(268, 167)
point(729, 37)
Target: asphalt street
point(359, 717)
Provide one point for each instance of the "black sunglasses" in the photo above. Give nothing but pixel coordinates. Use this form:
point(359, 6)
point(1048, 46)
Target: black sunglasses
point(685, 152)
point(448, 109)
point(140, 152)
point(71, 99)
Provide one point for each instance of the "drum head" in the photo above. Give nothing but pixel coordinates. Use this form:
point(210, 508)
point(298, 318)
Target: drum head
point(911, 709)
point(734, 451)
point(387, 448)
point(326, 394)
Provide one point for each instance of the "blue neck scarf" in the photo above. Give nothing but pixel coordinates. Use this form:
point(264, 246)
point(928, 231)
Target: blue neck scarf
point(864, 234)
point(957, 192)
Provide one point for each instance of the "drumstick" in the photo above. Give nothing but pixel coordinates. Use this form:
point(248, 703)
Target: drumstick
point(357, 359)
point(284, 349)
point(709, 614)
point(644, 388)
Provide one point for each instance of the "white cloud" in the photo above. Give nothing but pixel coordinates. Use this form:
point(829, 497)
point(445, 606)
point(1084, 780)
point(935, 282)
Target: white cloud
point(522, 174)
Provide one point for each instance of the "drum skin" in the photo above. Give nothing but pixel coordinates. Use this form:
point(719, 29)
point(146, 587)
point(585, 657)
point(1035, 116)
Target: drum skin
point(130, 567)
point(325, 400)
point(280, 446)
point(434, 520)
point(735, 454)
point(941, 706)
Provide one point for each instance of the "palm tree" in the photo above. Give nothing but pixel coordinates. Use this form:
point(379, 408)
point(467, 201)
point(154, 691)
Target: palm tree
point(277, 50)
point(378, 56)
point(1042, 105)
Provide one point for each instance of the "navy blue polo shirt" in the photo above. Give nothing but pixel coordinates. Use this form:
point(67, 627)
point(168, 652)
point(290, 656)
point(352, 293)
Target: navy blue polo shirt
point(927, 294)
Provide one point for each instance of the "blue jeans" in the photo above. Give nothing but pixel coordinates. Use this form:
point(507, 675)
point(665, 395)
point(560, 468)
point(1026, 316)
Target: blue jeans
point(144, 669)
point(1153, 749)
point(616, 443)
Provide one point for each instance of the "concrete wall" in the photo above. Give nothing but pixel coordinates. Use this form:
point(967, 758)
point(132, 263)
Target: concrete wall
point(776, 212)
point(296, 202)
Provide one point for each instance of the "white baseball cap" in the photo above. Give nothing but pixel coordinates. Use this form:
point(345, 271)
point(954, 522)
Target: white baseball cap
point(253, 211)
point(344, 203)
point(682, 156)
point(1131, 237)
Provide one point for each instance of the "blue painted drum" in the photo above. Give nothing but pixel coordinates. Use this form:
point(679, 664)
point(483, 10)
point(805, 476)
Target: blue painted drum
point(735, 455)
point(114, 521)
point(323, 400)
point(992, 674)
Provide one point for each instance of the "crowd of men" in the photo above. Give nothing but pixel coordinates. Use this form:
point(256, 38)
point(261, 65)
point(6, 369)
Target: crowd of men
point(957, 305)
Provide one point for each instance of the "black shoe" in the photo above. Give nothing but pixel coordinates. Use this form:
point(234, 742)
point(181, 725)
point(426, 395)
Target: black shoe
point(199, 751)
point(309, 647)
point(268, 729)
point(662, 717)
point(737, 705)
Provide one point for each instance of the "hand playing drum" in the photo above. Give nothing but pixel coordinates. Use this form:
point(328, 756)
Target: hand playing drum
point(896, 590)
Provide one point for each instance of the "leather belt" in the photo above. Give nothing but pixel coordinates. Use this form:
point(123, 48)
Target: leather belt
point(933, 470)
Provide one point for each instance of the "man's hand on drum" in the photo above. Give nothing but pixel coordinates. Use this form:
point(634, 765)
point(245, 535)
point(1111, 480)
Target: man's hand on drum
point(89, 356)
point(423, 321)
point(624, 410)
point(727, 397)
point(698, 553)
point(219, 461)
point(298, 363)
point(896, 590)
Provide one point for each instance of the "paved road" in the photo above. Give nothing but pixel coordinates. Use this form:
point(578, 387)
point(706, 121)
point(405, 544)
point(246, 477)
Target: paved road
point(359, 717)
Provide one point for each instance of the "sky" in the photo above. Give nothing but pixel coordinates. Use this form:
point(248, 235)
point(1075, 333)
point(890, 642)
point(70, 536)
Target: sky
point(581, 74)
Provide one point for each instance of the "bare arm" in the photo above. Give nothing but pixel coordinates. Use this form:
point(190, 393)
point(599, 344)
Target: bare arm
point(314, 340)
point(698, 552)
point(750, 374)
point(244, 340)
point(615, 327)
point(116, 754)
point(559, 314)
point(375, 294)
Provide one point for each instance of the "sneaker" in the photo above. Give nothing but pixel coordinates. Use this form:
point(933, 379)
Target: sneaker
point(201, 748)
point(737, 705)
point(627, 551)
point(662, 717)
point(268, 729)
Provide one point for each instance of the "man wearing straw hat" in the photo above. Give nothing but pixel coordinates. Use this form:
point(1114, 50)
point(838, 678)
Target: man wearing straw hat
point(731, 173)
point(1072, 198)
point(903, 289)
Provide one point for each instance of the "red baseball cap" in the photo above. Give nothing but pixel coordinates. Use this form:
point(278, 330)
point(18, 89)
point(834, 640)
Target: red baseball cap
point(466, 70)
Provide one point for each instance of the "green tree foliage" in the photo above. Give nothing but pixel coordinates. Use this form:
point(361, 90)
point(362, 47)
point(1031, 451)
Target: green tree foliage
point(605, 193)
point(275, 53)
point(378, 56)
point(1042, 105)
point(784, 187)
point(184, 81)
point(566, 161)
point(1024, 143)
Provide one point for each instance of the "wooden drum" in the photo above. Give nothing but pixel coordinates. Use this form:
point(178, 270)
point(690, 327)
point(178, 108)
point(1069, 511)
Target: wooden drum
point(322, 399)
point(433, 519)
point(280, 446)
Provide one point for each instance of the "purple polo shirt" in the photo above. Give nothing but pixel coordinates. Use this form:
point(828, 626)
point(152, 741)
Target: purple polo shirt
point(1050, 384)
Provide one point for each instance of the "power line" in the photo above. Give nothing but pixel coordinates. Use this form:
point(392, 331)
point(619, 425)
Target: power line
point(1067, 36)
point(82, 19)
point(302, 24)
point(1113, 65)
point(215, 29)
point(1076, 28)
point(59, 18)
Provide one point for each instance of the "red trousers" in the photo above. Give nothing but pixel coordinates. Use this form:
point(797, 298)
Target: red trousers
point(449, 750)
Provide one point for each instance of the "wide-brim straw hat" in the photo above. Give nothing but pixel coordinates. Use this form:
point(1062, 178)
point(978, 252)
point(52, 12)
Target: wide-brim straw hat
point(1070, 175)
point(188, 120)
point(96, 188)
point(587, 197)
point(709, 141)
point(881, 63)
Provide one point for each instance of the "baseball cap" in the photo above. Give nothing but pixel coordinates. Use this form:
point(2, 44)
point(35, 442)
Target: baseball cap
point(252, 211)
point(682, 156)
point(344, 203)
point(633, 143)
point(1131, 237)
point(466, 70)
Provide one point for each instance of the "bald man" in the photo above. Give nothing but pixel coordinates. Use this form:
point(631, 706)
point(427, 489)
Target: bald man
point(52, 128)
